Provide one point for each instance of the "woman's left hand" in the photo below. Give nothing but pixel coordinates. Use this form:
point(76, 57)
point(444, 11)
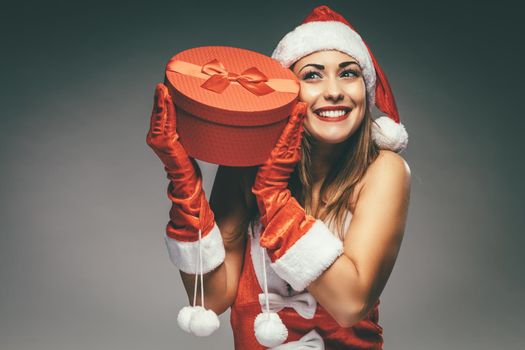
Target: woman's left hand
point(271, 181)
point(300, 247)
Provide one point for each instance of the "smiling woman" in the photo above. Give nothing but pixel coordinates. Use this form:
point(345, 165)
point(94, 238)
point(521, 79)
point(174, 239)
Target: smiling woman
point(301, 247)
point(333, 87)
point(332, 210)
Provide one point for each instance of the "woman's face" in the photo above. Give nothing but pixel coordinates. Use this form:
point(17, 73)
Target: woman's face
point(333, 87)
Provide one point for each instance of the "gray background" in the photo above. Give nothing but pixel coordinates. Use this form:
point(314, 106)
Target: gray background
point(82, 260)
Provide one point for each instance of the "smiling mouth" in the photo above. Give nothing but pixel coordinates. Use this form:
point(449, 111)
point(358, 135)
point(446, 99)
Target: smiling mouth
point(332, 116)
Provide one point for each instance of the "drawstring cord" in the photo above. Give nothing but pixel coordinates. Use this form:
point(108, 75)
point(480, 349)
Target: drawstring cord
point(196, 319)
point(265, 282)
point(269, 329)
point(199, 257)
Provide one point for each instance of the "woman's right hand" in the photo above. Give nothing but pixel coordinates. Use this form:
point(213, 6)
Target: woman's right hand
point(190, 209)
point(163, 139)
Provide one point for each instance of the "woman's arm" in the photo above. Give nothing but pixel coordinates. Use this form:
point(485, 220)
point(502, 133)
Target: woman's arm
point(351, 286)
point(228, 203)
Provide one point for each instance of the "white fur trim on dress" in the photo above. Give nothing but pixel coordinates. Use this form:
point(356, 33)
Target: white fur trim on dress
point(275, 283)
point(185, 255)
point(388, 134)
point(327, 35)
point(307, 258)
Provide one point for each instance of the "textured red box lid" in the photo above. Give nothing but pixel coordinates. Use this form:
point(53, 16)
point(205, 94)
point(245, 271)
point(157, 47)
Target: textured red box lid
point(232, 104)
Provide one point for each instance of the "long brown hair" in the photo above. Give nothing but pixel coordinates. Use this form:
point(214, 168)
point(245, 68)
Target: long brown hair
point(359, 151)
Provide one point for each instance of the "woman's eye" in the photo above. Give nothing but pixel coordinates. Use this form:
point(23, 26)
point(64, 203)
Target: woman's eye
point(347, 73)
point(309, 75)
point(351, 72)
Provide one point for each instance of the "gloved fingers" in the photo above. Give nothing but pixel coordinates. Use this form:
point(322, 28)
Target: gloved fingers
point(162, 136)
point(299, 112)
point(158, 115)
point(156, 138)
point(170, 129)
point(293, 126)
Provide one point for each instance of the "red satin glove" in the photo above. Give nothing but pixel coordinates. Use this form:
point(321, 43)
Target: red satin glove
point(299, 246)
point(190, 210)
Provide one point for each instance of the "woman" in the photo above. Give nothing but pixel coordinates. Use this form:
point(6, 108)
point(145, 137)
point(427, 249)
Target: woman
point(325, 214)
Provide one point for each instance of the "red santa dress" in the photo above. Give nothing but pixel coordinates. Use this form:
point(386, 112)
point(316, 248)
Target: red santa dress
point(309, 325)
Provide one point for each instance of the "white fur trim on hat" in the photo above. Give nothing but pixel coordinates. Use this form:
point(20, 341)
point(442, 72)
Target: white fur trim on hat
point(327, 35)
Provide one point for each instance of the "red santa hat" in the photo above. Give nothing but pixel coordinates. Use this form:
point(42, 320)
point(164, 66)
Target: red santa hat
point(325, 29)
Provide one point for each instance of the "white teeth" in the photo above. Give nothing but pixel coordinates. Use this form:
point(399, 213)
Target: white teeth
point(332, 114)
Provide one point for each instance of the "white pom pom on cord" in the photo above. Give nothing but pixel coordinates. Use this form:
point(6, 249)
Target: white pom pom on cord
point(269, 329)
point(184, 317)
point(388, 134)
point(196, 319)
point(204, 322)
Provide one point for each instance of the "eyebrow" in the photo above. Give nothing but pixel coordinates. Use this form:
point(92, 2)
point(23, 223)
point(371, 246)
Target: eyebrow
point(321, 67)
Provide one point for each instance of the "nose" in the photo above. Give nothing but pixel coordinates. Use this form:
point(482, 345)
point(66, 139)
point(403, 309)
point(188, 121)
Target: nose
point(333, 91)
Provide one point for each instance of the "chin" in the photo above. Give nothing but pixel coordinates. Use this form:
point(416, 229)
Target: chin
point(329, 138)
point(331, 133)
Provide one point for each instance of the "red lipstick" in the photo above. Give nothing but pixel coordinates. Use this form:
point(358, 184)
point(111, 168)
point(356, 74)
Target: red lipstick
point(332, 108)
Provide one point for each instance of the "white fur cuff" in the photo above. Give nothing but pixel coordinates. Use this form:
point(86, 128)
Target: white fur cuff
point(306, 260)
point(185, 255)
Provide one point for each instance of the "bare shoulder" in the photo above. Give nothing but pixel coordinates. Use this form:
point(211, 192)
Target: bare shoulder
point(389, 171)
point(389, 163)
point(389, 174)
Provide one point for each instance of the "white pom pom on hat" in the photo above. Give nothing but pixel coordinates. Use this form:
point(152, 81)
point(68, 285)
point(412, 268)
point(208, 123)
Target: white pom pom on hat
point(325, 29)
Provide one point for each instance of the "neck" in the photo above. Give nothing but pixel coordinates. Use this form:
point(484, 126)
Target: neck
point(324, 155)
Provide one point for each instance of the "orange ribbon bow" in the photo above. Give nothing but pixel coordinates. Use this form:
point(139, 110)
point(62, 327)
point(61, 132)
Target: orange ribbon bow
point(251, 79)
